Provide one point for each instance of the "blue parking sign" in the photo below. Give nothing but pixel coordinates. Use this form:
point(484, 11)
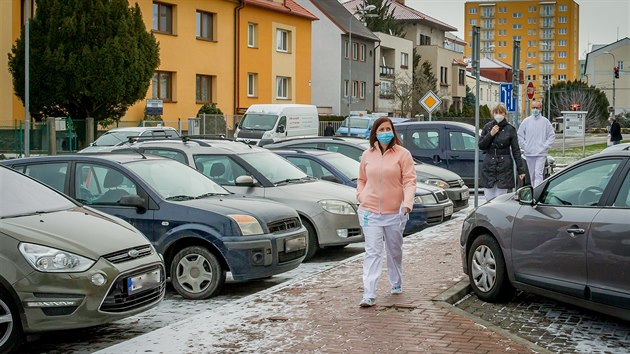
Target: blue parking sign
point(506, 97)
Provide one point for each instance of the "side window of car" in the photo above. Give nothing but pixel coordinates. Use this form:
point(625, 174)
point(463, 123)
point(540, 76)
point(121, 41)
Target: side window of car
point(350, 151)
point(96, 184)
point(283, 122)
point(221, 169)
point(424, 139)
point(583, 186)
point(52, 174)
point(304, 146)
point(303, 164)
point(623, 197)
point(171, 154)
point(460, 141)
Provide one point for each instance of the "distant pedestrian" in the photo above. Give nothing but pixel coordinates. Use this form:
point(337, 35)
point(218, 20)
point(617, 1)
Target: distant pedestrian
point(385, 190)
point(329, 130)
point(536, 136)
point(615, 131)
point(499, 141)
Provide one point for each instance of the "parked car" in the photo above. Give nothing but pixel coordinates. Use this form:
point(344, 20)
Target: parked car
point(267, 123)
point(360, 126)
point(566, 239)
point(327, 210)
point(431, 204)
point(618, 147)
point(454, 186)
point(121, 135)
point(65, 266)
point(450, 145)
point(201, 229)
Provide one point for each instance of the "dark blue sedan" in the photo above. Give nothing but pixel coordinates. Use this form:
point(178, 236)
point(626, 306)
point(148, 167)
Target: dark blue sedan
point(431, 204)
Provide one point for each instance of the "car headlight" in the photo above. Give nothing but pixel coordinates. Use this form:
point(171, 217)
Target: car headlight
point(337, 207)
point(267, 135)
point(248, 224)
point(425, 199)
point(51, 260)
point(436, 182)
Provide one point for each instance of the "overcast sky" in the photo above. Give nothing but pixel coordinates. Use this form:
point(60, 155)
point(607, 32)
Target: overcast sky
point(599, 19)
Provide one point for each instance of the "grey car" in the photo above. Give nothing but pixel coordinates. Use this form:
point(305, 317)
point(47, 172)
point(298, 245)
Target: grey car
point(65, 266)
point(568, 238)
point(327, 209)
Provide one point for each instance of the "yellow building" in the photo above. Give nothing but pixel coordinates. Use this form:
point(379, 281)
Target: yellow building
point(274, 60)
point(548, 31)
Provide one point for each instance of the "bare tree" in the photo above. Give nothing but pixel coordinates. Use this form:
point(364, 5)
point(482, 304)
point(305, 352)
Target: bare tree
point(403, 91)
point(591, 99)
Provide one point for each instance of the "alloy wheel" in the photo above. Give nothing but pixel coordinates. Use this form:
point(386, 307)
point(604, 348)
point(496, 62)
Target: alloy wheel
point(6, 323)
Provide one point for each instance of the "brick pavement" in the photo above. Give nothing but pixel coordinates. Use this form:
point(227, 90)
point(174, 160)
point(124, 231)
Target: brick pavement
point(321, 313)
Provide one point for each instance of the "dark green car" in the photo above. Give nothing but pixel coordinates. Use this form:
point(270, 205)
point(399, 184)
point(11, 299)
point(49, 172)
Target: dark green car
point(65, 266)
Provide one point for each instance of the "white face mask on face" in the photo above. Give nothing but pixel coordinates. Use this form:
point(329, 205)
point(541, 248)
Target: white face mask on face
point(535, 112)
point(499, 118)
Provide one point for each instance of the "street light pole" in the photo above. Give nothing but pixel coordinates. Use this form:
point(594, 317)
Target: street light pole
point(613, 79)
point(27, 120)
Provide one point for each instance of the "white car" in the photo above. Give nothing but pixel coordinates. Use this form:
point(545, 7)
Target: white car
point(118, 136)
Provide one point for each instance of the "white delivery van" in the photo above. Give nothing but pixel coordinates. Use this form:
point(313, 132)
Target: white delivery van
point(268, 123)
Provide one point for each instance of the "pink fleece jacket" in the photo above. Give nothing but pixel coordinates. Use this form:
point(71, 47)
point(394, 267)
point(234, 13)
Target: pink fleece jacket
point(386, 180)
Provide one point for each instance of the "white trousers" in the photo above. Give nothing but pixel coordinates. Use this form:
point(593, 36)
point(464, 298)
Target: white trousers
point(375, 237)
point(491, 193)
point(536, 167)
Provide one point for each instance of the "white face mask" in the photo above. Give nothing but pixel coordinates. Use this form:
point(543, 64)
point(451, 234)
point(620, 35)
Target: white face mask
point(499, 118)
point(535, 112)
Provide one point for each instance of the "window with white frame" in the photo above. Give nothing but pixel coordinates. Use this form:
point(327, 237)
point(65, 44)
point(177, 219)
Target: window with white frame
point(562, 30)
point(362, 52)
point(404, 60)
point(355, 51)
point(562, 66)
point(362, 90)
point(282, 40)
point(517, 26)
point(562, 78)
point(355, 88)
point(345, 88)
point(473, 10)
point(346, 49)
point(562, 43)
point(562, 54)
point(563, 8)
point(252, 80)
point(385, 88)
point(473, 22)
point(282, 87)
point(517, 15)
point(252, 35)
point(562, 19)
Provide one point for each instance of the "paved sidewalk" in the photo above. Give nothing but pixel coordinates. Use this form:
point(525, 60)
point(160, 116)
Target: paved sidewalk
point(321, 313)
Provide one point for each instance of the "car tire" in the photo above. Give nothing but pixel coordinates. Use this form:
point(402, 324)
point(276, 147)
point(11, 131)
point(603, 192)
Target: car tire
point(312, 244)
point(486, 270)
point(11, 334)
point(196, 273)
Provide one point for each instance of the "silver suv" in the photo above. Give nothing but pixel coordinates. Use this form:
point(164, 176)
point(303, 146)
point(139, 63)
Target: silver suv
point(119, 136)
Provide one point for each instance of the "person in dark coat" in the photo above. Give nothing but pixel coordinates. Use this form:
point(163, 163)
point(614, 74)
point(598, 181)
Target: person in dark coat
point(499, 141)
point(329, 130)
point(615, 131)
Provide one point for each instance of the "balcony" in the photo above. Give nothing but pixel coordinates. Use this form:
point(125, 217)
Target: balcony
point(487, 49)
point(487, 26)
point(546, 71)
point(547, 24)
point(387, 71)
point(487, 39)
point(547, 13)
point(547, 37)
point(487, 14)
point(547, 60)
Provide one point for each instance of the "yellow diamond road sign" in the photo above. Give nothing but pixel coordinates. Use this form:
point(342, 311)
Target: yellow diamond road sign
point(430, 101)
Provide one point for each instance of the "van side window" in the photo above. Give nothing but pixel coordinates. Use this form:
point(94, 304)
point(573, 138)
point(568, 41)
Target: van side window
point(283, 122)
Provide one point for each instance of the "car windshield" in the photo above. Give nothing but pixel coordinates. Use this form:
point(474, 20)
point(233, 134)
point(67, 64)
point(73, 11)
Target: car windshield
point(356, 122)
point(347, 166)
point(23, 196)
point(275, 168)
point(254, 121)
point(175, 181)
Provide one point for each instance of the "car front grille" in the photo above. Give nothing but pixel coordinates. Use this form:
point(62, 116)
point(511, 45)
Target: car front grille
point(129, 254)
point(284, 225)
point(434, 220)
point(456, 183)
point(119, 301)
point(289, 256)
point(460, 203)
point(441, 196)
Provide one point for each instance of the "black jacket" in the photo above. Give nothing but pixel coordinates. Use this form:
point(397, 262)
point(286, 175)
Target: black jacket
point(497, 168)
point(329, 131)
point(615, 132)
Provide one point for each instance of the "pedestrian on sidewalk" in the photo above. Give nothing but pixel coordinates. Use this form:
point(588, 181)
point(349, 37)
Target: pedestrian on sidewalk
point(615, 131)
point(536, 136)
point(329, 130)
point(385, 190)
point(499, 141)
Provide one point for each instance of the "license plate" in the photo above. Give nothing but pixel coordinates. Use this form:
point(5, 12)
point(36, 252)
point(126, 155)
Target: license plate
point(144, 281)
point(448, 211)
point(295, 244)
point(465, 195)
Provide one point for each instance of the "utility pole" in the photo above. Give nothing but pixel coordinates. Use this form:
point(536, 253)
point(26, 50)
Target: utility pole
point(27, 52)
point(476, 72)
point(516, 81)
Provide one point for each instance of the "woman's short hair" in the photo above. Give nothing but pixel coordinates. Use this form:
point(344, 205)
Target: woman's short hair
point(499, 109)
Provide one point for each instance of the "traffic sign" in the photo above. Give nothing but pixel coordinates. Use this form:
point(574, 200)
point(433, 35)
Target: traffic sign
point(430, 101)
point(530, 90)
point(154, 107)
point(506, 97)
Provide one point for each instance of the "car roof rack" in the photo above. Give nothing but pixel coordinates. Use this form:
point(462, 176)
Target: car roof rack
point(141, 139)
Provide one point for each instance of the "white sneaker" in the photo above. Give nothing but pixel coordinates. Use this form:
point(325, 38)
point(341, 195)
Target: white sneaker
point(367, 302)
point(396, 290)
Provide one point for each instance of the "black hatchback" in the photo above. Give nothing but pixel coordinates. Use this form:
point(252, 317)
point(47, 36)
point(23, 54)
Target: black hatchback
point(201, 229)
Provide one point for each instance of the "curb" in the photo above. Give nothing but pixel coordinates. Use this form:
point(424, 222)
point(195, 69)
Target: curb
point(459, 291)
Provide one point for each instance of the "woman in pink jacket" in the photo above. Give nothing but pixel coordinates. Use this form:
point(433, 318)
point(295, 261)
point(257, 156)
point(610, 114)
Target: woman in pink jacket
point(385, 190)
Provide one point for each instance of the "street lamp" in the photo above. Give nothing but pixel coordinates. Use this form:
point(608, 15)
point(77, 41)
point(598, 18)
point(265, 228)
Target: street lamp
point(614, 65)
point(360, 11)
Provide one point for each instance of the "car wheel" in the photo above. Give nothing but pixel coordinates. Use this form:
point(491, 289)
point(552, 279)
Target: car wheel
point(313, 244)
point(10, 325)
point(486, 268)
point(196, 273)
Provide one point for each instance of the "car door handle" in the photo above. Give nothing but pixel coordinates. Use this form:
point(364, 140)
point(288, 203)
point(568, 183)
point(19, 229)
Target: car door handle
point(575, 231)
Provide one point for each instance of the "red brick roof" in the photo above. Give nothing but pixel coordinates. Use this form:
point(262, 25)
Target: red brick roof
point(288, 7)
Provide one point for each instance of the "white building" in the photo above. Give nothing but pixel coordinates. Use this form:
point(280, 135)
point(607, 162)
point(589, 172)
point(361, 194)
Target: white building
point(599, 72)
point(393, 67)
point(489, 90)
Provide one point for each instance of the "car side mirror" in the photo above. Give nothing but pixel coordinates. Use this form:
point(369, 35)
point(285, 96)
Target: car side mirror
point(245, 181)
point(280, 129)
point(133, 201)
point(330, 178)
point(525, 195)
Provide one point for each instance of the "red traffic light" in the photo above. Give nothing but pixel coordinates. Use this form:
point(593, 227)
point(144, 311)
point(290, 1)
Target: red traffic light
point(616, 72)
point(575, 106)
